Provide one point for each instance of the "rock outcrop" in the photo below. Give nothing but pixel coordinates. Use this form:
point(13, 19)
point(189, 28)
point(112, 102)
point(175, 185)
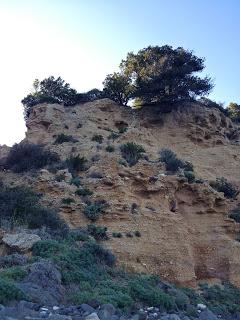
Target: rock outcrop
point(184, 232)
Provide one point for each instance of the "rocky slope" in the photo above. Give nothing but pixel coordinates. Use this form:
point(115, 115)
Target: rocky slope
point(186, 234)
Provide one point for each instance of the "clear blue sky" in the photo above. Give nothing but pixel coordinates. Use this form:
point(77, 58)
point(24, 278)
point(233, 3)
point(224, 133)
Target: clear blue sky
point(83, 40)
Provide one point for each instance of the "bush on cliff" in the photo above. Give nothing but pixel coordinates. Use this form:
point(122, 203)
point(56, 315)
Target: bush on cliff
point(131, 152)
point(223, 185)
point(28, 156)
point(20, 206)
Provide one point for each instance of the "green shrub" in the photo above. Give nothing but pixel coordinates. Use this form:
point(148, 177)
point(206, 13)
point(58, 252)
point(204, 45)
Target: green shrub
point(123, 129)
point(113, 136)
point(98, 138)
point(14, 273)
point(98, 232)
point(110, 149)
point(76, 164)
point(67, 200)
point(76, 181)
point(131, 152)
point(9, 292)
point(61, 138)
point(129, 235)
point(145, 289)
point(190, 176)
point(137, 234)
point(171, 161)
point(83, 192)
point(222, 185)
point(20, 205)
point(117, 235)
point(27, 156)
point(235, 214)
point(93, 211)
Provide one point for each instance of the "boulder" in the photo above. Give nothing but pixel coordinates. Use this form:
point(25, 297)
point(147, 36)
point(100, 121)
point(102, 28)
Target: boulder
point(43, 284)
point(21, 242)
point(92, 316)
point(207, 315)
point(106, 311)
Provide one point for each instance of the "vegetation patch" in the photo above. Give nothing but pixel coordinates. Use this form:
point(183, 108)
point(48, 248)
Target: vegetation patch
point(68, 201)
point(98, 232)
point(93, 211)
point(61, 138)
point(131, 152)
point(83, 192)
point(9, 292)
point(76, 164)
point(27, 156)
point(110, 148)
point(223, 185)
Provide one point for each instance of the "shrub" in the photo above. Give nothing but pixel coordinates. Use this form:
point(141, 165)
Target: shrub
point(76, 181)
point(113, 136)
point(144, 289)
point(117, 234)
point(235, 214)
point(20, 205)
point(9, 292)
point(98, 232)
point(61, 138)
point(131, 152)
point(27, 156)
point(94, 211)
point(83, 192)
point(171, 161)
point(222, 185)
point(67, 200)
point(137, 234)
point(98, 138)
point(76, 164)
point(190, 176)
point(110, 149)
point(14, 273)
point(129, 235)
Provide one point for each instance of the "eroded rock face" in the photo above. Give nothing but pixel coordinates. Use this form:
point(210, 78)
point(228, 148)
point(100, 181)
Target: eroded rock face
point(186, 235)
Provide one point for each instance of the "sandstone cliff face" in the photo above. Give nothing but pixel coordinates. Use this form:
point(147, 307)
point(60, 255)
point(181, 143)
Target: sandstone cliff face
point(186, 235)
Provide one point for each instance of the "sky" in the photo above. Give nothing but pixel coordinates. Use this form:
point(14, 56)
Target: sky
point(84, 40)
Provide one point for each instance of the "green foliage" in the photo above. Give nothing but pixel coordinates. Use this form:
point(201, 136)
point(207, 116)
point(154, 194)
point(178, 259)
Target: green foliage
point(164, 74)
point(60, 177)
point(68, 201)
point(27, 156)
point(234, 111)
point(20, 205)
point(110, 148)
point(14, 273)
point(190, 176)
point(137, 234)
point(51, 90)
point(98, 138)
point(76, 164)
point(143, 288)
point(131, 152)
point(118, 87)
point(113, 136)
point(83, 192)
point(93, 211)
point(222, 185)
point(76, 181)
point(235, 214)
point(61, 138)
point(171, 160)
point(98, 232)
point(9, 292)
point(129, 235)
point(117, 235)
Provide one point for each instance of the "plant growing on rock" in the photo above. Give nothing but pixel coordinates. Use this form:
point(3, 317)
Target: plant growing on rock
point(9, 292)
point(110, 149)
point(61, 138)
point(76, 164)
point(98, 138)
point(223, 185)
point(98, 232)
point(68, 201)
point(131, 152)
point(28, 156)
point(93, 211)
point(83, 192)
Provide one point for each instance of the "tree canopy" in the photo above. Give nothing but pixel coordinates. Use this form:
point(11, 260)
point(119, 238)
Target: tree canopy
point(159, 74)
